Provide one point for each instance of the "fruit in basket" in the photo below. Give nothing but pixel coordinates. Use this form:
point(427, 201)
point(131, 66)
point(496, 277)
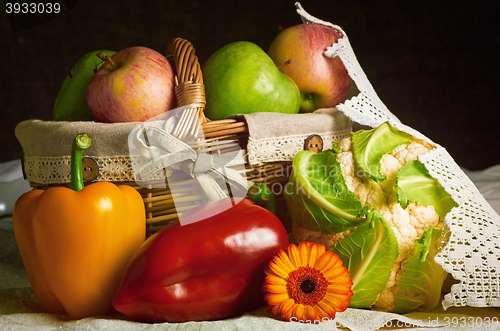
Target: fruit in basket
point(75, 242)
point(135, 84)
point(323, 81)
point(210, 268)
point(240, 78)
point(71, 101)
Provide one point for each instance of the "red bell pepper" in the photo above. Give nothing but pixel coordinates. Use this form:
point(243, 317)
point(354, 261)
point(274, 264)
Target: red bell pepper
point(206, 270)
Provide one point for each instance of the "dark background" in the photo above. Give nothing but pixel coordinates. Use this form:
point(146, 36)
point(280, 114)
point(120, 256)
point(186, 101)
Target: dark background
point(434, 64)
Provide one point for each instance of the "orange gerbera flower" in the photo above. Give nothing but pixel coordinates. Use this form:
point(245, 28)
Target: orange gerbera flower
point(308, 283)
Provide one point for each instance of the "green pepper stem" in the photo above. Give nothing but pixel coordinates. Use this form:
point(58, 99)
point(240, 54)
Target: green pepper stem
point(80, 144)
point(261, 195)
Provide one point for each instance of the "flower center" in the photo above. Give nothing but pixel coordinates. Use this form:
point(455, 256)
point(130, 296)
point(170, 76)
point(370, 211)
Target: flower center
point(307, 285)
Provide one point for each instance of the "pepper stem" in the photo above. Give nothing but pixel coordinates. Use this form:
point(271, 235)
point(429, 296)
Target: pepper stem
point(80, 144)
point(261, 195)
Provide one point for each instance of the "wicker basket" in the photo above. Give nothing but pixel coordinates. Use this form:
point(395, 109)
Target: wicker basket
point(218, 136)
point(159, 203)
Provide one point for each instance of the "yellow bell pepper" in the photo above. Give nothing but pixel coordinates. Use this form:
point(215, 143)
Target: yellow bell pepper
point(75, 242)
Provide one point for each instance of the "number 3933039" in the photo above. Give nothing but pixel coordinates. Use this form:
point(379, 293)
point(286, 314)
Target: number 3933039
point(33, 7)
point(30, 13)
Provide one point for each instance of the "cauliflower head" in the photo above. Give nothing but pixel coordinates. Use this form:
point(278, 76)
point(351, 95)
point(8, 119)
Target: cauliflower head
point(372, 177)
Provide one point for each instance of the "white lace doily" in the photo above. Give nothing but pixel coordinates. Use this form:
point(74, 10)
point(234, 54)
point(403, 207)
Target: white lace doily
point(471, 243)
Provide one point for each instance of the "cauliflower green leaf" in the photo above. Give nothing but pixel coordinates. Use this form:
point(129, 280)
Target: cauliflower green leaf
point(317, 195)
point(422, 278)
point(370, 145)
point(415, 184)
point(369, 253)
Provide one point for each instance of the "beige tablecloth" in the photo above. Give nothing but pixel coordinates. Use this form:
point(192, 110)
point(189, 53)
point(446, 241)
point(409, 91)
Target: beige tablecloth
point(20, 311)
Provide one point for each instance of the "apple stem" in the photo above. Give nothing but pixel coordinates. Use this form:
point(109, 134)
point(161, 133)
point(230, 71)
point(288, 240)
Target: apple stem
point(287, 62)
point(106, 58)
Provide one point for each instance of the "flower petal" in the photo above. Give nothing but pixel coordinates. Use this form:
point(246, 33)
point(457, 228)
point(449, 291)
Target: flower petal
point(321, 249)
point(271, 288)
point(335, 272)
point(305, 252)
point(313, 254)
point(338, 302)
point(322, 261)
point(270, 308)
point(279, 268)
point(294, 254)
point(342, 281)
point(311, 314)
point(339, 289)
point(276, 299)
point(275, 310)
point(285, 259)
point(328, 261)
point(286, 306)
point(326, 309)
point(344, 297)
point(340, 277)
point(275, 280)
point(299, 311)
point(339, 261)
point(287, 316)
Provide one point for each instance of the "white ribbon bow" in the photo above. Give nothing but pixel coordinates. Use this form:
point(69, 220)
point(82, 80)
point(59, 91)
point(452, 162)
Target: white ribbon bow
point(154, 141)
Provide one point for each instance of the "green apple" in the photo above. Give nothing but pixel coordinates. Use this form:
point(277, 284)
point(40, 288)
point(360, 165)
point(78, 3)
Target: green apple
point(240, 78)
point(71, 101)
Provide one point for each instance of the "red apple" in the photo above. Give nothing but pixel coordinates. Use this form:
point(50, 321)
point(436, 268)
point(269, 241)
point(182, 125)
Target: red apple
point(135, 84)
point(323, 81)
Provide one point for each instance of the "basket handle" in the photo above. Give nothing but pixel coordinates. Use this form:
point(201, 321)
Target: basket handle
point(189, 87)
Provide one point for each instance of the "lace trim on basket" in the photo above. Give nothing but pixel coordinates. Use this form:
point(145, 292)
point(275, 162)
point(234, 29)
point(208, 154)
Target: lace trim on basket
point(284, 148)
point(56, 169)
point(119, 168)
